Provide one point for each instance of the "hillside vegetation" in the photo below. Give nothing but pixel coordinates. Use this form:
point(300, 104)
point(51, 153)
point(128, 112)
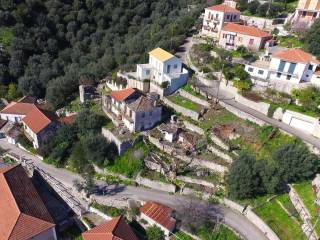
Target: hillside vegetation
point(54, 42)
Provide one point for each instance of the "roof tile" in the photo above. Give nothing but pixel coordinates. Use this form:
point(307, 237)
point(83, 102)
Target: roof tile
point(246, 30)
point(223, 8)
point(161, 54)
point(297, 56)
point(123, 94)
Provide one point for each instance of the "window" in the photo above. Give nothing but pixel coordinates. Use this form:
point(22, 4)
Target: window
point(240, 39)
point(281, 66)
point(147, 72)
point(315, 14)
point(175, 66)
point(310, 67)
point(217, 15)
point(288, 77)
point(251, 41)
point(228, 16)
point(304, 13)
point(250, 69)
point(168, 68)
point(278, 75)
point(292, 67)
point(260, 72)
point(234, 16)
point(143, 115)
point(150, 113)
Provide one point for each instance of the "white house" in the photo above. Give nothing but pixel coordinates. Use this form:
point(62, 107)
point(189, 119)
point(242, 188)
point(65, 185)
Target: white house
point(170, 131)
point(164, 71)
point(216, 16)
point(159, 215)
point(293, 66)
point(137, 111)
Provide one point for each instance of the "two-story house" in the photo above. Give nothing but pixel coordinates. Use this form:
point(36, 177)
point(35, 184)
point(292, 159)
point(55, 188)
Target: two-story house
point(306, 13)
point(37, 123)
point(234, 35)
point(164, 71)
point(216, 16)
point(293, 66)
point(136, 110)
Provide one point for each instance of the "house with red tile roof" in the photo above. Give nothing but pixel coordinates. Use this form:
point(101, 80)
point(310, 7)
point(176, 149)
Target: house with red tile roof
point(37, 122)
point(234, 35)
point(159, 215)
point(23, 215)
point(291, 67)
point(216, 16)
point(115, 229)
point(136, 110)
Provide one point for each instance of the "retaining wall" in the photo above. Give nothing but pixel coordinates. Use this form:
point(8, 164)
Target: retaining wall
point(193, 98)
point(99, 213)
point(184, 111)
point(219, 142)
point(197, 181)
point(193, 128)
point(156, 184)
point(220, 154)
point(258, 106)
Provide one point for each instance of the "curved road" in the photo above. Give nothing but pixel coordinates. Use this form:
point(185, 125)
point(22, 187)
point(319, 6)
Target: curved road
point(231, 218)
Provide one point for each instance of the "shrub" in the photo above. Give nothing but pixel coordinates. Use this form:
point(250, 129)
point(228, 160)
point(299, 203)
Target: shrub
point(155, 233)
point(164, 84)
point(242, 85)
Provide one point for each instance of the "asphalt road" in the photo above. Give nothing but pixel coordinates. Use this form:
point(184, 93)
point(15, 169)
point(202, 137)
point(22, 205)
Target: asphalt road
point(180, 203)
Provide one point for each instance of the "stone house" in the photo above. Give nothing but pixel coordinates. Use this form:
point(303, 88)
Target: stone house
point(137, 111)
point(159, 215)
point(216, 16)
point(170, 131)
point(234, 35)
point(23, 214)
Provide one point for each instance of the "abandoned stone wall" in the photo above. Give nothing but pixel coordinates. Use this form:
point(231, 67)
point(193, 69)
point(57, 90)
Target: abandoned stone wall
point(220, 154)
point(193, 98)
point(184, 111)
point(166, 187)
point(193, 128)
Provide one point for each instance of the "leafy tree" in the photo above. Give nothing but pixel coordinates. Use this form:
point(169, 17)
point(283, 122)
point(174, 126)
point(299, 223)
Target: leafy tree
point(88, 121)
point(241, 73)
point(296, 163)
point(13, 92)
point(242, 85)
point(243, 180)
point(243, 5)
point(253, 6)
point(77, 160)
point(154, 233)
point(312, 39)
point(309, 97)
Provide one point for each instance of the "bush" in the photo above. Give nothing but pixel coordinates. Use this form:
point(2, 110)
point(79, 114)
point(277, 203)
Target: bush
point(110, 211)
point(242, 85)
point(309, 97)
point(154, 233)
point(164, 84)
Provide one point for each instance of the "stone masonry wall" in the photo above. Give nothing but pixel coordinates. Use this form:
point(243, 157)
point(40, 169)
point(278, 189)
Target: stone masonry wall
point(184, 111)
point(193, 98)
point(155, 184)
point(193, 128)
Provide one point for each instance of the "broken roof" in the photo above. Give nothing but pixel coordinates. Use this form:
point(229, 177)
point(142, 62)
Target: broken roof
point(23, 214)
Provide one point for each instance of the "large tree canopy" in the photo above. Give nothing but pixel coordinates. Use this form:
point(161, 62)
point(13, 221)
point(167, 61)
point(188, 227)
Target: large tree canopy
point(312, 39)
point(55, 42)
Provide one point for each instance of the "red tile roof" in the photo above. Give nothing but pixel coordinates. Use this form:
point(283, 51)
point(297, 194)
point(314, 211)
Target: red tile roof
point(68, 119)
point(223, 8)
point(296, 55)
point(18, 108)
point(23, 214)
point(37, 119)
point(115, 229)
point(122, 95)
point(160, 214)
point(246, 30)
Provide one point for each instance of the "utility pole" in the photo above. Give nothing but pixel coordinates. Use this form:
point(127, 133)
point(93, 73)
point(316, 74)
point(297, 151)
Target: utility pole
point(219, 82)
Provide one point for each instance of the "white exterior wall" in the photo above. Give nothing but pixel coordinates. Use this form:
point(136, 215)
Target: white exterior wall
point(12, 117)
point(32, 135)
point(315, 79)
point(144, 71)
point(146, 120)
point(152, 222)
point(255, 72)
point(300, 73)
point(219, 18)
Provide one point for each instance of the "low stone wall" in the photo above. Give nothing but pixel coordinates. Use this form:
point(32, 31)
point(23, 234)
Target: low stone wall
point(220, 154)
point(156, 184)
point(193, 98)
point(122, 145)
point(258, 106)
point(219, 142)
point(184, 111)
point(242, 114)
point(193, 161)
point(197, 181)
point(193, 128)
point(99, 213)
point(252, 217)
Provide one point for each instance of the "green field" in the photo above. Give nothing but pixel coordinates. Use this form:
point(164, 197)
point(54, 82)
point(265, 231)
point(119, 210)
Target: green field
point(308, 197)
point(184, 102)
point(188, 88)
point(286, 227)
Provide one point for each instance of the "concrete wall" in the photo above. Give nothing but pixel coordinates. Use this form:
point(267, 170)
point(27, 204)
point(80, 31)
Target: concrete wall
point(193, 98)
point(258, 106)
point(184, 111)
point(302, 122)
point(258, 22)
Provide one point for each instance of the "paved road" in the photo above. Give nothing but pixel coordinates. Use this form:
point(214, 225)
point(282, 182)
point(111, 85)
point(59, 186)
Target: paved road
point(233, 219)
point(226, 97)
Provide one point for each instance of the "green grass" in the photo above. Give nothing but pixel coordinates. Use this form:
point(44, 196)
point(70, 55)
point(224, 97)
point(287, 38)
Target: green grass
point(308, 197)
point(131, 162)
point(221, 233)
point(280, 222)
point(6, 35)
point(110, 211)
point(221, 117)
point(289, 42)
point(188, 88)
point(284, 199)
point(184, 102)
point(181, 236)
